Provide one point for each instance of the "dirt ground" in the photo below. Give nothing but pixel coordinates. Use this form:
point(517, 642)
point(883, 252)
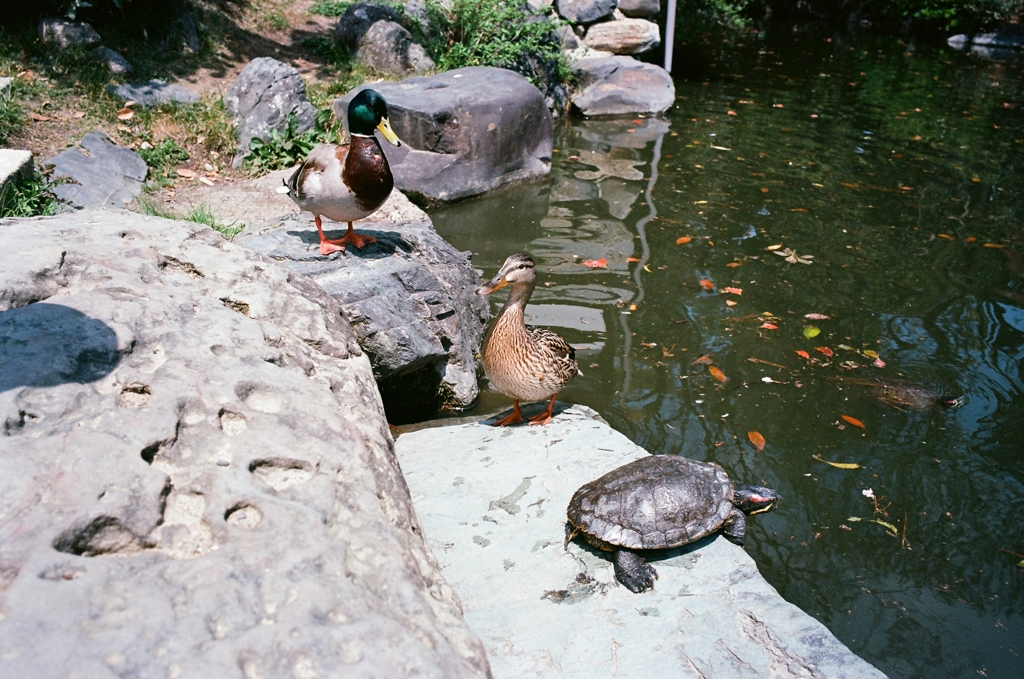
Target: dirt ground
point(280, 29)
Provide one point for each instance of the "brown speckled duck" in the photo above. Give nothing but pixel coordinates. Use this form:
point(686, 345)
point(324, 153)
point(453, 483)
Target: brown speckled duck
point(521, 361)
point(347, 182)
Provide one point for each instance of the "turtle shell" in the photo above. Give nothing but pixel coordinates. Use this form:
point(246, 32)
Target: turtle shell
point(655, 502)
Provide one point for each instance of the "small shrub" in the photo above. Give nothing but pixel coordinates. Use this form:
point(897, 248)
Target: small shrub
point(33, 197)
point(330, 8)
point(11, 117)
point(163, 159)
point(285, 149)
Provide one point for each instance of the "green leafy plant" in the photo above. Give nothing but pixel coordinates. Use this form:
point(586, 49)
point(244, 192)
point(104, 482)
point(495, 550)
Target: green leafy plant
point(32, 197)
point(285, 149)
point(500, 33)
point(330, 8)
point(163, 159)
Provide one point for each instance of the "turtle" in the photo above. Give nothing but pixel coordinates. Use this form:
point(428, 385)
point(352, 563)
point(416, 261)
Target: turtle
point(661, 502)
point(900, 393)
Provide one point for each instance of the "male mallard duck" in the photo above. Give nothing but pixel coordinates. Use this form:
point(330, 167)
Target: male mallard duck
point(521, 361)
point(347, 182)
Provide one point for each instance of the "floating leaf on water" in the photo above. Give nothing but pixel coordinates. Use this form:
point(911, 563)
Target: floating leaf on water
point(647, 269)
point(756, 439)
point(768, 326)
point(870, 354)
point(682, 240)
point(803, 354)
point(878, 363)
point(846, 347)
point(891, 528)
point(799, 209)
point(733, 265)
point(992, 245)
point(717, 374)
point(703, 360)
point(596, 263)
point(838, 465)
point(824, 350)
point(734, 291)
point(774, 247)
point(632, 259)
point(854, 421)
point(816, 317)
point(810, 331)
point(730, 302)
point(706, 284)
point(854, 519)
point(970, 239)
point(946, 236)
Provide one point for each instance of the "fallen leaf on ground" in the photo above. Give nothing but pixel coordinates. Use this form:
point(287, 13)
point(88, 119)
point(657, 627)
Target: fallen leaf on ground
point(756, 439)
point(854, 421)
point(682, 240)
point(717, 374)
point(78, 115)
point(706, 284)
point(39, 118)
point(839, 465)
point(125, 114)
point(734, 291)
point(206, 181)
point(596, 263)
point(803, 354)
point(810, 331)
point(186, 173)
point(824, 350)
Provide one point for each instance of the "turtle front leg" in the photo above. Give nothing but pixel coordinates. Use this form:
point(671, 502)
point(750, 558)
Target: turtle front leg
point(736, 528)
point(633, 571)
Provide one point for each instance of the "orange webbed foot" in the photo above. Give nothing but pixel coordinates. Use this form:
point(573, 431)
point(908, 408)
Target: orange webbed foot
point(514, 417)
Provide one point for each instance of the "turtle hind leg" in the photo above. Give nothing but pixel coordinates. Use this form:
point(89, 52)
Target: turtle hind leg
point(633, 571)
point(736, 529)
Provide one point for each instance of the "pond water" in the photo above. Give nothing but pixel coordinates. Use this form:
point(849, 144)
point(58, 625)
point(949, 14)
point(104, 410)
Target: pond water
point(899, 169)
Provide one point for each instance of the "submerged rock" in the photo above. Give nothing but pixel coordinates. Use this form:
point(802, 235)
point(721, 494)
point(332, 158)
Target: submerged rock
point(495, 514)
point(204, 419)
point(101, 173)
point(464, 131)
point(409, 297)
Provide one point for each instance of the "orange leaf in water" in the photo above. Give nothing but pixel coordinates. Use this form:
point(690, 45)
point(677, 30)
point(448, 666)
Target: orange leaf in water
point(878, 363)
point(706, 284)
point(768, 326)
point(850, 185)
point(854, 421)
point(682, 240)
point(734, 291)
point(799, 209)
point(970, 239)
point(717, 374)
point(733, 265)
point(703, 360)
point(992, 245)
point(632, 259)
point(945, 236)
point(803, 354)
point(596, 263)
point(824, 350)
point(756, 438)
point(730, 113)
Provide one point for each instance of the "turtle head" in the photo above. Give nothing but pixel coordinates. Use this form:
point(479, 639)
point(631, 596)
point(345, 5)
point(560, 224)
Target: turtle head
point(755, 499)
point(367, 111)
point(517, 268)
point(951, 401)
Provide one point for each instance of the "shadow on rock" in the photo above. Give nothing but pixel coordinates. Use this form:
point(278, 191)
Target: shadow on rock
point(44, 345)
point(388, 242)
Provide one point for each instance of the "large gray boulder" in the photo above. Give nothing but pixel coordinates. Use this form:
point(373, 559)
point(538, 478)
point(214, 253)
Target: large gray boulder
point(409, 297)
point(585, 11)
point(114, 62)
point(386, 47)
point(628, 36)
point(59, 34)
point(494, 513)
point(464, 131)
point(643, 9)
point(262, 98)
point(356, 20)
point(100, 173)
point(621, 85)
point(201, 418)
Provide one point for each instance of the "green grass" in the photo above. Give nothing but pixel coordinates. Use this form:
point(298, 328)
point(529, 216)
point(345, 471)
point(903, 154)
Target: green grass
point(163, 159)
point(200, 214)
point(330, 8)
point(33, 197)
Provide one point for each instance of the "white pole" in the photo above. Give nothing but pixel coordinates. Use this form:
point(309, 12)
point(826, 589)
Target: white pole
point(670, 34)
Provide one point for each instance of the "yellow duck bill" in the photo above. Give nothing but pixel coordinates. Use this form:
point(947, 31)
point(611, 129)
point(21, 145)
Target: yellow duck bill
point(385, 128)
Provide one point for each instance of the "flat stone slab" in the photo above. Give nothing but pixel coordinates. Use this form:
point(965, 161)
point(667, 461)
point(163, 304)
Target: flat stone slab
point(153, 92)
point(492, 506)
point(14, 166)
point(103, 174)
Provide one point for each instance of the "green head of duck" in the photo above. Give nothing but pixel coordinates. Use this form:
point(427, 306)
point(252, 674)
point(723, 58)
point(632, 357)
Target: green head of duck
point(367, 111)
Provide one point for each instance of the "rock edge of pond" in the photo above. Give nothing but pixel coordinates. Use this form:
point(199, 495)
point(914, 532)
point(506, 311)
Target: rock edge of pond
point(491, 503)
